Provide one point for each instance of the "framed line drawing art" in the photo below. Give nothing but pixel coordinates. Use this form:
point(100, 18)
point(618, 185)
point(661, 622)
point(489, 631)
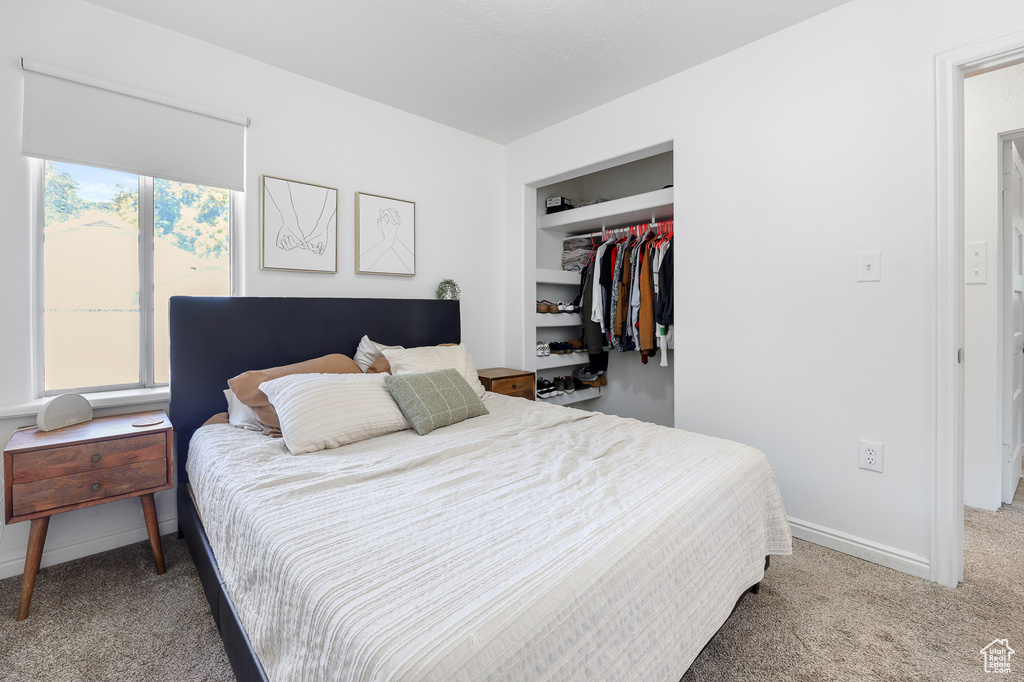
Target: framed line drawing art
point(298, 226)
point(385, 235)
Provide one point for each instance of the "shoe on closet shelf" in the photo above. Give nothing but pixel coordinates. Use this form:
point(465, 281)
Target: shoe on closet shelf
point(547, 307)
point(577, 346)
point(567, 384)
point(543, 350)
point(578, 385)
point(545, 389)
point(585, 374)
point(566, 307)
point(559, 347)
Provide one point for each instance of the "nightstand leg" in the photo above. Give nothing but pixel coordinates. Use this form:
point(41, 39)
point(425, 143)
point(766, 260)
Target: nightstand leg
point(36, 540)
point(149, 509)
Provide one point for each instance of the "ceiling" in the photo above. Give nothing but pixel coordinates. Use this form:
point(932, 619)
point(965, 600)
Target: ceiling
point(499, 69)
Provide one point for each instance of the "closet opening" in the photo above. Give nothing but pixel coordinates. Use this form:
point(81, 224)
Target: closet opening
point(611, 227)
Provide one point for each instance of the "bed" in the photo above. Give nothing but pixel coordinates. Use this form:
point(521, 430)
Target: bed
point(533, 542)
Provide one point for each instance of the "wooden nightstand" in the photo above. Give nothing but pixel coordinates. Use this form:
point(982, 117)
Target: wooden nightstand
point(513, 382)
point(106, 459)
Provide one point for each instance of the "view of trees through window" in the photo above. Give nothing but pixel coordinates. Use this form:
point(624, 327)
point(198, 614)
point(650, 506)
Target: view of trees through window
point(92, 317)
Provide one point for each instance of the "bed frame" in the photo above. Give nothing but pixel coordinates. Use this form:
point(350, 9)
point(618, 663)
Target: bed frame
point(214, 339)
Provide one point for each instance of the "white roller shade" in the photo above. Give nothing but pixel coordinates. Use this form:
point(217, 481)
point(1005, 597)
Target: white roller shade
point(96, 123)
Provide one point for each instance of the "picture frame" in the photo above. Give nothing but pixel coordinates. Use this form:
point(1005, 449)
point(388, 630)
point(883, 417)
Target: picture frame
point(298, 226)
point(385, 235)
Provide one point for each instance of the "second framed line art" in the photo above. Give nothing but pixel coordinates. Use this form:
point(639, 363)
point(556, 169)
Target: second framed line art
point(385, 235)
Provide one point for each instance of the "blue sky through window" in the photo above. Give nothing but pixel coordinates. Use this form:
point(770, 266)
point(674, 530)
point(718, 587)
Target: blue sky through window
point(98, 184)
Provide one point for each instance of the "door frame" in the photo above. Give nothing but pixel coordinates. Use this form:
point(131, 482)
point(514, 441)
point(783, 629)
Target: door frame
point(951, 66)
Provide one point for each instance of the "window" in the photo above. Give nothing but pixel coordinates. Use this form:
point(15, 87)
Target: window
point(115, 248)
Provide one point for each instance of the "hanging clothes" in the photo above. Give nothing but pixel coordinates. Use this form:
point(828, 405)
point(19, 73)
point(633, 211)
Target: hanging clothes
point(626, 296)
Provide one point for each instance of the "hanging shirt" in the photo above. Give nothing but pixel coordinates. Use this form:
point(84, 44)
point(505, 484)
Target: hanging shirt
point(596, 304)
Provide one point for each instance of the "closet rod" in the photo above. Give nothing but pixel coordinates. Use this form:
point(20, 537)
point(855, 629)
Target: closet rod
point(600, 233)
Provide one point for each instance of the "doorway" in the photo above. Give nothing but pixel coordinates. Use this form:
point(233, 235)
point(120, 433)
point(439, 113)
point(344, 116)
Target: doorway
point(951, 68)
point(994, 286)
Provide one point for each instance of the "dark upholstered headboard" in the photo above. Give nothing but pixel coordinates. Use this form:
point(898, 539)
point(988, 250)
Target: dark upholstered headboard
point(214, 339)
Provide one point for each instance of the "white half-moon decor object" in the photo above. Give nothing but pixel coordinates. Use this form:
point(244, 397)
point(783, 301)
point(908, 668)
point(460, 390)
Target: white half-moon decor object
point(63, 410)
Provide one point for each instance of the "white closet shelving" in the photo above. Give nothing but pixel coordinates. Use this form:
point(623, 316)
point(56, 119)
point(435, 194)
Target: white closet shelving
point(576, 396)
point(558, 319)
point(557, 277)
point(638, 206)
point(562, 360)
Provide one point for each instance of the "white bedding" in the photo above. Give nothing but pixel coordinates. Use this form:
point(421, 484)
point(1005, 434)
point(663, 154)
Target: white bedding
point(533, 543)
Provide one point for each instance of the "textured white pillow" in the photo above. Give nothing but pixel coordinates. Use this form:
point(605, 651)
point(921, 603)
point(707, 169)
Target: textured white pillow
point(369, 352)
point(321, 411)
point(240, 414)
point(433, 359)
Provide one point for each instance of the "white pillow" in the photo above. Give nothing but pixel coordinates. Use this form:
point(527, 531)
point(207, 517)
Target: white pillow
point(369, 352)
point(240, 414)
point(433, 359)
point(321, 411)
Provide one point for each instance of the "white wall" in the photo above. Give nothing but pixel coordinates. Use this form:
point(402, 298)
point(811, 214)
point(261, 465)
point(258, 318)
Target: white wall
point(993, 104)
point(301, 130)
point(792, 155)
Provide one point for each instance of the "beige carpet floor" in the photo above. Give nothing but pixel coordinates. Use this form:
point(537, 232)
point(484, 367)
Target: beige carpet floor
point(821, 615)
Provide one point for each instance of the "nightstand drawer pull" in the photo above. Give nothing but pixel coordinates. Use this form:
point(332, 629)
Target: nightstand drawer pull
point(95, 487)
point(515, 385)
point(95, 458)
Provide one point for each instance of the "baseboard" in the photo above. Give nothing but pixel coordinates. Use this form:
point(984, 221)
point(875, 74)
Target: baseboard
point(101, 542)
point(868, 550)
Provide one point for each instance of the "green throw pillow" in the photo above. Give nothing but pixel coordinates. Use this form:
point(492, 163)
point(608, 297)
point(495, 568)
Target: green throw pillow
point(434, 399)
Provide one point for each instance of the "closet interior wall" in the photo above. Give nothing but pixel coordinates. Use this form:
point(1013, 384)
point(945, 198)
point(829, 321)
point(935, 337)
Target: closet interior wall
point(644, 392)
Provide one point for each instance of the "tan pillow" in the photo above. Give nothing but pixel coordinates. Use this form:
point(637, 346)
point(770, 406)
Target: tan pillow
point(380, 366)
point(247, 385)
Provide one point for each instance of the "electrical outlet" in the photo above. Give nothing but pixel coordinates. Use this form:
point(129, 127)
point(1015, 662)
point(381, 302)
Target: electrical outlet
point(872, 455)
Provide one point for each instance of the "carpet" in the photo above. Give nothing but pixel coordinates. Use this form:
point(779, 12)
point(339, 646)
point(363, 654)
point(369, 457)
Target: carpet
point(109, 616)
point(821, 615)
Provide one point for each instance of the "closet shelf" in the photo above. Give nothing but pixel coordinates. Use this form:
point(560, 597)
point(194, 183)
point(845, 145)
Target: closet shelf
point(558, 319)
point(639, 208)
point(557, 277)
point(562, 360)
point(574, 397)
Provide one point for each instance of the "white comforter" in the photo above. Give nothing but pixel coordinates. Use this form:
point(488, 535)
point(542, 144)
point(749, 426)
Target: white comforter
point(533, 543)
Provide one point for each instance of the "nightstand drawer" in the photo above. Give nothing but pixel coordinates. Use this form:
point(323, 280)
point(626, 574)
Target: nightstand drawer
point(520, 387)
point(74, 459)
point(62, 491)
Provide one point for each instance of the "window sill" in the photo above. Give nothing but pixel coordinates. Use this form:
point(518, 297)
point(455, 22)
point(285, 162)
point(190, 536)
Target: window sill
point(135, 396)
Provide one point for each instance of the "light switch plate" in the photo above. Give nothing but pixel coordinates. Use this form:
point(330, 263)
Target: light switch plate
point(976, 263)
point(869, 266)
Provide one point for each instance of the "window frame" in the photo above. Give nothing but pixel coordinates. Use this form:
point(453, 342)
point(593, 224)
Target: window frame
point(147, 347)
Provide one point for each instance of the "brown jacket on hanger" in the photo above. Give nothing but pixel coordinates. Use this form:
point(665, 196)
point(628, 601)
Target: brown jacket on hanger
point(648, 340)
